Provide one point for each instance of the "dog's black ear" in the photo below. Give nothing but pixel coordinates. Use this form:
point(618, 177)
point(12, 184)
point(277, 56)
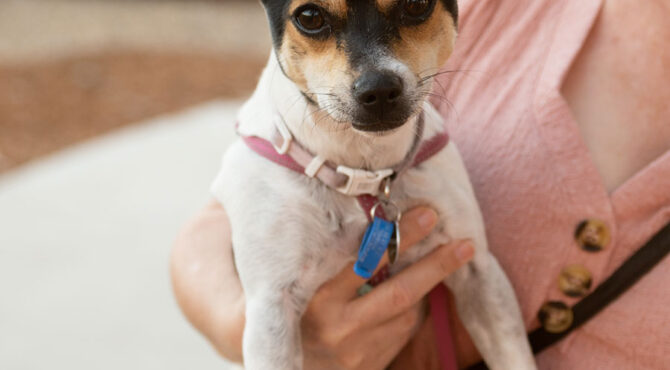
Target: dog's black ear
point(277, 11)
point(452, 7)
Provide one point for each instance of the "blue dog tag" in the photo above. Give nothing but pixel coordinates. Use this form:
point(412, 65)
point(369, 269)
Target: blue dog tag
point(375, 242)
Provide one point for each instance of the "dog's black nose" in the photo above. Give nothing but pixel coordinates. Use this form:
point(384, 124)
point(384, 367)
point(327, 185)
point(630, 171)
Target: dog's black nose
point(378, 92)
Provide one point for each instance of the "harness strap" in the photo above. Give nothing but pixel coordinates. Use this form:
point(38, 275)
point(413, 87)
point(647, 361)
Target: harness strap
point(310, 165)
point(430, 147)
point(285, 151)
point(367, 201)
point(296, 159)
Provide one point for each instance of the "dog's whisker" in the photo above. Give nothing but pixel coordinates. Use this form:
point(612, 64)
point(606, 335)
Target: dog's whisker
point(432, 76)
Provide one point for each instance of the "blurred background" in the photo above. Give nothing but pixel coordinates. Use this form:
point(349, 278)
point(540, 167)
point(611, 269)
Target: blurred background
point(113, 118)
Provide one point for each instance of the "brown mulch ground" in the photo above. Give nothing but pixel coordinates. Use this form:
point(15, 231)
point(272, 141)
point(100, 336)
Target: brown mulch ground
point(47, 106)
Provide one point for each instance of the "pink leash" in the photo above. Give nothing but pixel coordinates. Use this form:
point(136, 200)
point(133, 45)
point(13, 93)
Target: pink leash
point(439, 308)
point(427, 149)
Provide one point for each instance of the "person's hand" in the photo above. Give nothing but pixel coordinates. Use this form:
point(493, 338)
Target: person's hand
point(343, 331)
point(339, 329)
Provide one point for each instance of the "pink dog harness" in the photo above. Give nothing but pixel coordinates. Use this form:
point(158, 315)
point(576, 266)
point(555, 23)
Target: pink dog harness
point(365, 185)
point(284, 150)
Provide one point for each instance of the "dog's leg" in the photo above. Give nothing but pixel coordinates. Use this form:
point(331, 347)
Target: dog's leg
point(489, 310)
point(277, 293)
point(485, 299)
point(281, 253)
point(272, 332)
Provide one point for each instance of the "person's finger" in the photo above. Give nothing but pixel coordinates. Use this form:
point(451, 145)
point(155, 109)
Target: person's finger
point(414, 227)
point(387, 339)
point(410, 285)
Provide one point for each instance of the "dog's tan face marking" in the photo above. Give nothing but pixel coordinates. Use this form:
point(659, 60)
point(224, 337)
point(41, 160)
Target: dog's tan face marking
point(362, 61)
point(306, 60)
point(427, 46)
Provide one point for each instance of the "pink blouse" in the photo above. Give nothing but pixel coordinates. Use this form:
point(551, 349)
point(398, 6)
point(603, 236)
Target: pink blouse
point(536, 182)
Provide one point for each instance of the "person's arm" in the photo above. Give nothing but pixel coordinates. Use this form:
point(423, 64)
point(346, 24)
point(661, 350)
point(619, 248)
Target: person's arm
point(339, 329)
point(205, 282)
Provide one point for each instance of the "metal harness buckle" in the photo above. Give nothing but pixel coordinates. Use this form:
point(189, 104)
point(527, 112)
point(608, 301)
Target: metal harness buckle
point(362, 182)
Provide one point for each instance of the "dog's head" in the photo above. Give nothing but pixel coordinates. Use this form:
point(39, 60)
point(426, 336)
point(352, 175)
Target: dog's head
point(363, 62)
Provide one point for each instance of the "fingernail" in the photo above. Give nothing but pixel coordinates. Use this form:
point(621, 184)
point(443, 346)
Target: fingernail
point(464, 252)
point(427, 219)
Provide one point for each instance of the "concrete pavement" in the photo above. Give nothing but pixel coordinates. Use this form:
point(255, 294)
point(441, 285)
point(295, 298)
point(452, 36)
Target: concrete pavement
point(84, 242)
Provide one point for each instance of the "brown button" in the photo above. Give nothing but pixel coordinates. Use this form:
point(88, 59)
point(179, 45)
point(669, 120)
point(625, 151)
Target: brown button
point(555, 317)
point(575, 281)
point(592, 235)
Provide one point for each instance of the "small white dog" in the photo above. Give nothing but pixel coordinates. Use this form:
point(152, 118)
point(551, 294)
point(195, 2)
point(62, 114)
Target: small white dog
point(343, 99)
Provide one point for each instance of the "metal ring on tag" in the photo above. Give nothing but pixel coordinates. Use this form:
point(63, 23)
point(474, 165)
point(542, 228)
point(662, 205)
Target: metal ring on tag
point(393, 249)
point(373, 210)
point(397, 234)
point(387, 188)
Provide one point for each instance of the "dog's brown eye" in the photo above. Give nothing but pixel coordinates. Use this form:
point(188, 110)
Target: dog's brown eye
point(310, 19)
point(417, 8)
